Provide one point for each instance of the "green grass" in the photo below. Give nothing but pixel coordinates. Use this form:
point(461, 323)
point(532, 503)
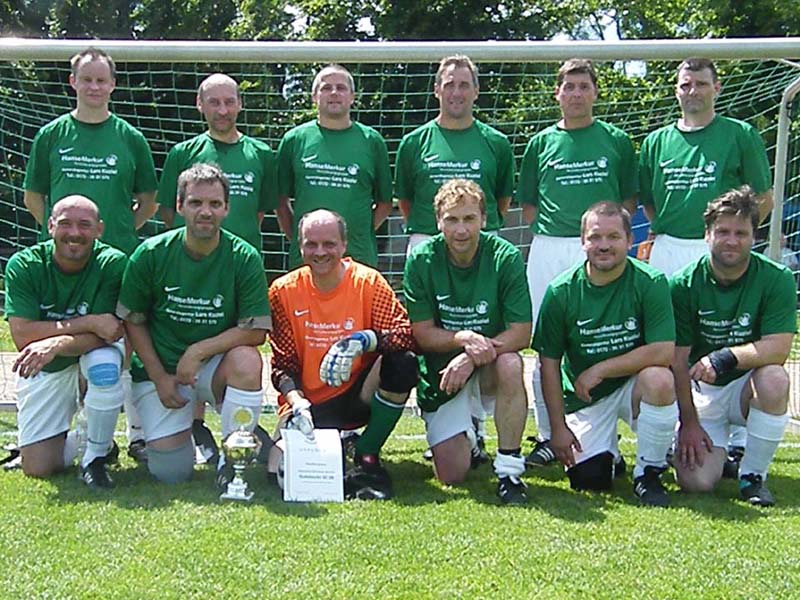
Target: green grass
point(146, 540)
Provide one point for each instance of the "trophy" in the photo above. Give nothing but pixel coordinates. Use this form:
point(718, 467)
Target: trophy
point(239, 448)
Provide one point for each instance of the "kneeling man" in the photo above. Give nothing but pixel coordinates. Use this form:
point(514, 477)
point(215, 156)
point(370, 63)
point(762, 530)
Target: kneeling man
point(471, 314)
point(194, 301)
point(606, 336)
point(735, 316)
point(342, 349)
point(60, 300)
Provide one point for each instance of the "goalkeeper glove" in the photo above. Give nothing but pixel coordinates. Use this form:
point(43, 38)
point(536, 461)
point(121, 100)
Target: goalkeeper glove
point(336, 366)
point(301, 418)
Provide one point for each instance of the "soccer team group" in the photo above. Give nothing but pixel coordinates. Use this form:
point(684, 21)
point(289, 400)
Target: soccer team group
point(688, 350)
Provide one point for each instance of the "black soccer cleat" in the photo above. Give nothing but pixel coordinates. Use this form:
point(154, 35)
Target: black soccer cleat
point(512, 491)
point(204, 442)
point(224, 476)
point(478, 455)
point(13, 461)
point(620, 467)
point(730, 468)
point(649, 489)
point(266, 444)
point(368, 479)
point(95, 475)
point(753, 490)
point(137, 450)
point(112, 457)
point(542, 454)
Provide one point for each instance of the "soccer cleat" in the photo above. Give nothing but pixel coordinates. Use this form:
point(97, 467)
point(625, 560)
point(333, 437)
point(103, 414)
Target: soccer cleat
point(752, 489)
point(619, 467)
point(428, 454)
point(512, 491)
point(14, 459)
point(95, 475)
point(349, 439)
point(542, 454)
point(266, 445)
point(367, 480)
point(137, 450)
point(112, 456)
point(204, 442)
point(225, 475)
point(479, 456)
point(730, 468)
point(649, 489)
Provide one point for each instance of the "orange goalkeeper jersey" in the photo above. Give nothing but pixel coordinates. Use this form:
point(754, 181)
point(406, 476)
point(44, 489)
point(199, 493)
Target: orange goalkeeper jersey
point(306, 322)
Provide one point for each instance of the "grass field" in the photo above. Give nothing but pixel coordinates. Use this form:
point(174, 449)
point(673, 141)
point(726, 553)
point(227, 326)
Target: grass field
point(145, 540)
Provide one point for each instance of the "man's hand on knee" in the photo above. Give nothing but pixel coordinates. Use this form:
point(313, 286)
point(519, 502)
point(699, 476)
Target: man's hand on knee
point(481, 349)
point(338, 361)
point(36, 356)
point(167, 389)
point(188, 366)
point(694, 445)
point(456, 374)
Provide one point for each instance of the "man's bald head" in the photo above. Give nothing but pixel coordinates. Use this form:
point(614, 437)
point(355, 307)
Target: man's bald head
point(217, 79)
point(74, 201)
point(322, 217)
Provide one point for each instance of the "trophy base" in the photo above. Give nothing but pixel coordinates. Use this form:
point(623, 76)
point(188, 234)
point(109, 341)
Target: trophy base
point(237, 492)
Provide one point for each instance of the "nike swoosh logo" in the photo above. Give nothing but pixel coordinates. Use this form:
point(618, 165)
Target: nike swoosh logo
point(428, 159)
point(172, 288)
point(703, 313)
point(445, 297)
point(300, 313)
point(553, 163)
point(583, 322)
point(65, 150)
point(305, 159)
point(664, 163)
point(46, 306)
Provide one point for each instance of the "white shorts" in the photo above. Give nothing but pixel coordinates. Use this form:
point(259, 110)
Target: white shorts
point(46, 404)
point(454, 416)
point(596, 425)
point(549, 257)
point(158, 421)
point(670, 254)
point(720, 406)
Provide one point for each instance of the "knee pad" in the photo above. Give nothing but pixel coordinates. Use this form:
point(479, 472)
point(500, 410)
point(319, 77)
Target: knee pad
point(595, 474)
point(399, 372)
point(171, 466)
point(102, 366)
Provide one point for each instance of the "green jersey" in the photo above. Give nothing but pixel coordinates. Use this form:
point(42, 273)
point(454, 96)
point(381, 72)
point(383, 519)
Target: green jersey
point(185, 300)
point(485, 297)
point(431, 155)
point(565, 171)
point(37, 289)
point(681, 172)
point(107, 162)
point(710, 316)
point(251, 169)
point(346, 171)
point(582, 324)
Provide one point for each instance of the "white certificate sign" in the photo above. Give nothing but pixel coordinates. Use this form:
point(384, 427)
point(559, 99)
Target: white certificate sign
point(313, 469)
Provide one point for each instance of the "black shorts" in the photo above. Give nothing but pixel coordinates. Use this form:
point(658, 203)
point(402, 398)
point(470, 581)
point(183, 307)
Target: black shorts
point(345, 411)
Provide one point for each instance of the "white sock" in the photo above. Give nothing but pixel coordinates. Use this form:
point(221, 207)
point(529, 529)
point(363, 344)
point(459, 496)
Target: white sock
point(100, 426)
point(539, 407)
point(764, 433)
point(509, 465)
point(236, 398)
point(738, 436)
point(654, 430)
point(70, 447)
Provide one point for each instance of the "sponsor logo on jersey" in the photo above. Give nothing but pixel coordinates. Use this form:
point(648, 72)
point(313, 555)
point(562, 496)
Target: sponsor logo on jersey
point(428, 159)
point(664, 163)
point(349, 324)
point(440, 297)
point(65, 150)
point(710, 167)
point(353, 169)
point(83, 308)
point(554, 162)
point(300, 313)
point(218, 300)
point(111, 160)
point(306, 159)
point(582, 322)
point(249, 177)
point(475, 164)
point(46, 306)
point(704, 313)
point(602, 162)
point(482, 307)
point(744, 319)
point(171, 288)
point(630, 323)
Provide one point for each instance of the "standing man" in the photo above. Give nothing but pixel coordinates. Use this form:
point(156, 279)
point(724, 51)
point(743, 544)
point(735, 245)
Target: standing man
point(336, 163)
point(92, 152)
point(342, 349)
point(565, 169)
point(735, 316)
point(250, 167)
point(60, 301)
point(686, 165)
point(194, 301)
point(454, 145)
point(248, 164)
point(471, 315)
point(606, 336)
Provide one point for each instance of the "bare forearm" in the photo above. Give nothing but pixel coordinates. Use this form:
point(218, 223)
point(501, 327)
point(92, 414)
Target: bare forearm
point(405, 207)
point(285, 217)
point(23, 332)
point(144, 209)
point(766, 203)
point(230, 338)
point(658, 354)
point(528, 213)
point(515, 338)
point(503, 205)
point(630, 205)
point(167, 215)
point(552, 388)
point(683, 384)
point(649, 211)
point(142, 343)
point(771, 350)
point(381, 213)
point(34, 202)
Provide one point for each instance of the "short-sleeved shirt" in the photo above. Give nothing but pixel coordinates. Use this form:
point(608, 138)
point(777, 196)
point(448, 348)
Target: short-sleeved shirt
point(486, 297)
point(107, 162)
point(565, 171)
point(344, 170)
point(583, 324)
point(307, 322)
point(37, 289)
point(681, 172)
point(710, 316)
point(186, 300)
point(251, 169)
point(431, 155)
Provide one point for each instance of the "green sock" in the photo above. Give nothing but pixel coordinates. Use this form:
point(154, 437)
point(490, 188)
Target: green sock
point(382, 419)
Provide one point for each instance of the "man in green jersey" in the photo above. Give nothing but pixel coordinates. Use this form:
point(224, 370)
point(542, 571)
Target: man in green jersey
point(335, 163)
point(685, 165)
point(606, 336)
point(249, 164)
point(194, 301)
point(566, 168)
point(453, 145)
point(60, 300)
point(92, 152)
point(735, 317)
point(250, 167)
point(470, 313)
